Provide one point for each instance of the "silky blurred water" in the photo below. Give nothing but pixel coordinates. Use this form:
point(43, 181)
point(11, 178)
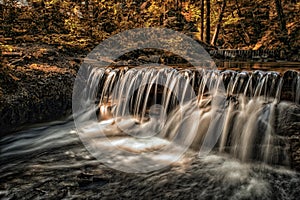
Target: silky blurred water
point(49, 162)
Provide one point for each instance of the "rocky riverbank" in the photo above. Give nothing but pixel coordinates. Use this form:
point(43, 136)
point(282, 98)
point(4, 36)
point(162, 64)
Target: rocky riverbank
point(35, 86)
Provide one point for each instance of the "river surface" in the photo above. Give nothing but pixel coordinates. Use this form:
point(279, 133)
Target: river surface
point(48, 161)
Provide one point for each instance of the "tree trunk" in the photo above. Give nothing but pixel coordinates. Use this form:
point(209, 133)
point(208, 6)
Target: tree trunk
point(218, 26)
point(280, 15)
point(202, 20)
point(86, 3)
point(245, 36)
point(207, 38)
point(178, 6)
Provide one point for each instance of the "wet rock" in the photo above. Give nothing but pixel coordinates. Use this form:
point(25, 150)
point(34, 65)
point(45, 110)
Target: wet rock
point(288, 119)
point(88, 181)
point(289, 88)
point(288, 125)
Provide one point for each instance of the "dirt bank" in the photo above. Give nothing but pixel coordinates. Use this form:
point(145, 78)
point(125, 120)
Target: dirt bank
point(36, 83)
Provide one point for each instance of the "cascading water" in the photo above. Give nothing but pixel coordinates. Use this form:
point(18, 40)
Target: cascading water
point(246, 111)
point(235, 112)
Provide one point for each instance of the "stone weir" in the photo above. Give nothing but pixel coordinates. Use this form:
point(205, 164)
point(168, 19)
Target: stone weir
point(253, 55)
point(250, 115)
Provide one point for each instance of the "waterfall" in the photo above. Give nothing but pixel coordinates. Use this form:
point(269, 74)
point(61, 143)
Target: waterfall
point(234, 112)
point(211, 133)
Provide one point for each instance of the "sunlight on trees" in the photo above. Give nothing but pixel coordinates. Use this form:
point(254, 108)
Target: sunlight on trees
point(238, 24)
